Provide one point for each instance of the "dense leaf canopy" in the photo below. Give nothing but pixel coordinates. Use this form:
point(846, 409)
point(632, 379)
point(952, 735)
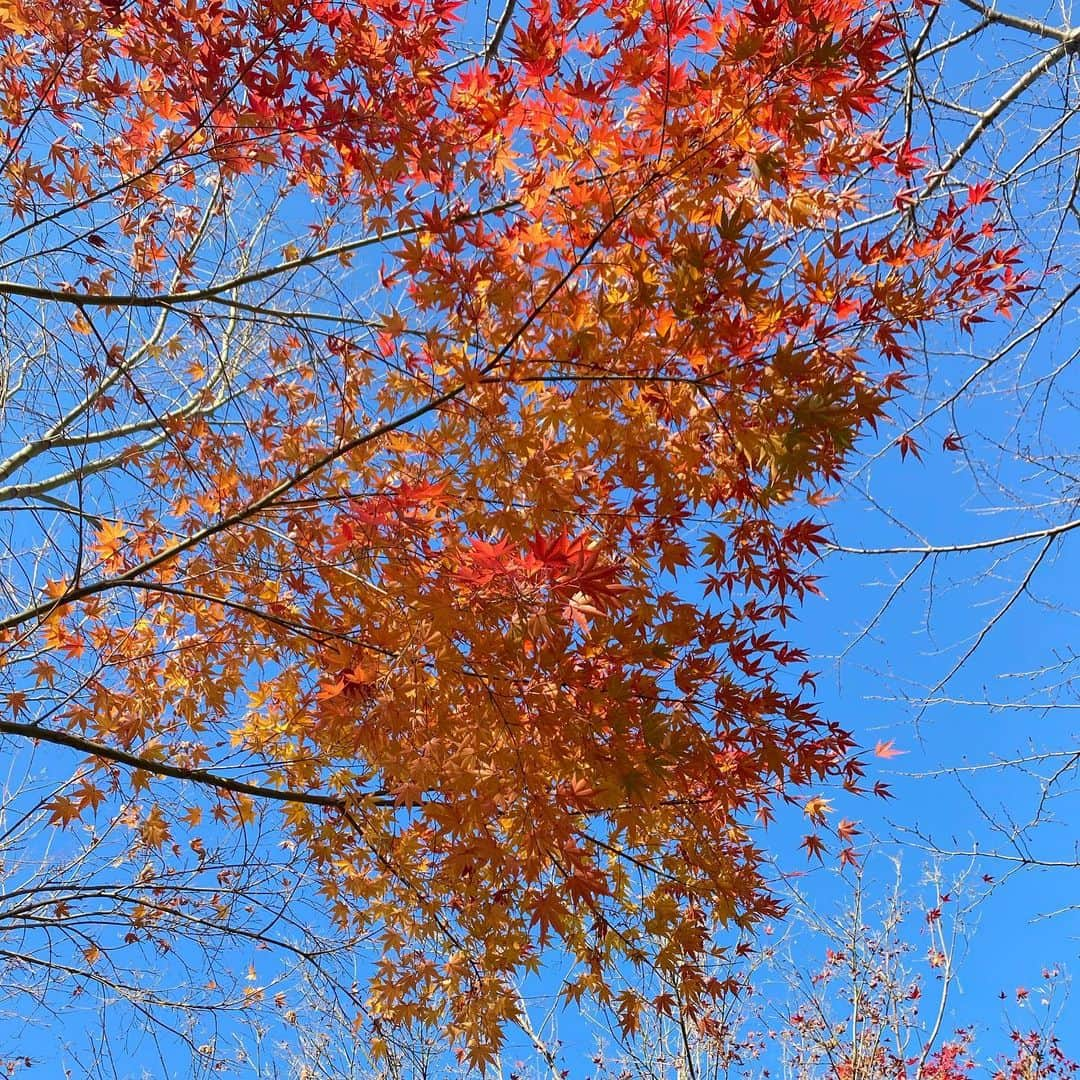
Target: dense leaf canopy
point(377, 387)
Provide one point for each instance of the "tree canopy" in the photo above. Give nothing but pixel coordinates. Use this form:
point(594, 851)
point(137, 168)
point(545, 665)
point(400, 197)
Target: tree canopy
point(414, 427)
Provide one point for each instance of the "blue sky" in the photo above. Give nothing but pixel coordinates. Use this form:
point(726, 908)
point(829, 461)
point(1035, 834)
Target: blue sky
point(1010, 698)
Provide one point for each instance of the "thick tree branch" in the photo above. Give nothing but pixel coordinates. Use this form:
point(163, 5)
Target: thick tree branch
point(177, 772)
point(215, 292)
point(1018, 22)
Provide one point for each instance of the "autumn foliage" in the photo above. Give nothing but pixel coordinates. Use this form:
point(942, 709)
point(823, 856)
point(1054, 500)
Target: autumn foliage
point(382, 385)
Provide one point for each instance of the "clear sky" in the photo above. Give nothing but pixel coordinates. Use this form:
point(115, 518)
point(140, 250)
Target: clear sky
point(962, 660)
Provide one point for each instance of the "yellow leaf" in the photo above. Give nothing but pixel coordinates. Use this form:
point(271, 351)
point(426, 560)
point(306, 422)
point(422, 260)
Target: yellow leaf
point(154, 829)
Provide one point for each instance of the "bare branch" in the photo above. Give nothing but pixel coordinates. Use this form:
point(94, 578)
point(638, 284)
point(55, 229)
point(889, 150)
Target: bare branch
point(177, 772)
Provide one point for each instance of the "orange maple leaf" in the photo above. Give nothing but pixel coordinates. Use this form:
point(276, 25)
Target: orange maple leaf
point(886, 749)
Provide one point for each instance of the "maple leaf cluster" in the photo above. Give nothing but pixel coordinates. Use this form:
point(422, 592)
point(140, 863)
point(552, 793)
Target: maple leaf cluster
point(404, 511)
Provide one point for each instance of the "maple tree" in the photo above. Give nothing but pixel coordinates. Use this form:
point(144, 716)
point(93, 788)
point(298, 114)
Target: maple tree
point(370, 396)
